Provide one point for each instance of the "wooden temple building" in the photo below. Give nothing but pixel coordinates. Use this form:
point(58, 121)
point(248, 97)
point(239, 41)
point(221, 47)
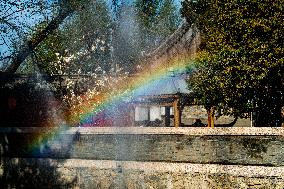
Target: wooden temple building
point(163, 99)
point(166, 97)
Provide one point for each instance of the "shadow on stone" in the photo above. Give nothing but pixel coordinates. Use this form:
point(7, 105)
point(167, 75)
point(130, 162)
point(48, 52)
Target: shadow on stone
point(34, 168)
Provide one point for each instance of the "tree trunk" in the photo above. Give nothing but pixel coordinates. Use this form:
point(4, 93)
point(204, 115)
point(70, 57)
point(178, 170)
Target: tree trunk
point(210, 114)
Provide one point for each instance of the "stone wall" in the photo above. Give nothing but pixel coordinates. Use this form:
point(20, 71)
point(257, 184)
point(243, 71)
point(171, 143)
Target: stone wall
point(81, 173)
point(191, 113)
point(142, 157)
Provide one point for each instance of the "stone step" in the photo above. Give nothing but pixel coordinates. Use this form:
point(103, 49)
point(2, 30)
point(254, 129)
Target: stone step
point(79, 173)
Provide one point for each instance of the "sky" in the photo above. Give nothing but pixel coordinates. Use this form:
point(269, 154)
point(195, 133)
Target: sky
point(21, 16)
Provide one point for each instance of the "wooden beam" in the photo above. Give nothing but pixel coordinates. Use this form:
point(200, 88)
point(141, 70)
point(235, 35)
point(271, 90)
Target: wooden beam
point(153, 104)
point(158, 96)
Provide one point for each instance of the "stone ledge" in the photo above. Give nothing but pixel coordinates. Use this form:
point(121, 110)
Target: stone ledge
point(242, 131)
point(78, 173)
point(234, 170)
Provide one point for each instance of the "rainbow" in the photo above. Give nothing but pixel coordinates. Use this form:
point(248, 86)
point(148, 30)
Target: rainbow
point(129, 87)
point(84, 113)
point(37, 144)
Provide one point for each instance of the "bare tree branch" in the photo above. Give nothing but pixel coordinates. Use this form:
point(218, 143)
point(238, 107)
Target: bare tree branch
point(13, 26)
point(27, 48)
point(4, 41)
point(1, 59)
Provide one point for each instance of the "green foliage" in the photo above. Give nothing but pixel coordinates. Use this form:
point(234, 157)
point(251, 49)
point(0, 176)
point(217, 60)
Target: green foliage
point(81, 44)
point(240, 63)
point(157, 20)
point(95, 39)
point(88, 34)
point(139, 27)
point(148, 11)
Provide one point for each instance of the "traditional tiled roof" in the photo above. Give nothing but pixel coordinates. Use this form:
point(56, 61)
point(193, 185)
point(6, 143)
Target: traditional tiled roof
point(167, 85)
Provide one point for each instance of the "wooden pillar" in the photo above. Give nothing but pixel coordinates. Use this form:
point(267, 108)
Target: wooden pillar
point(149, 113)
point(177, 113)
point(167, 116)
point(132, 115)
